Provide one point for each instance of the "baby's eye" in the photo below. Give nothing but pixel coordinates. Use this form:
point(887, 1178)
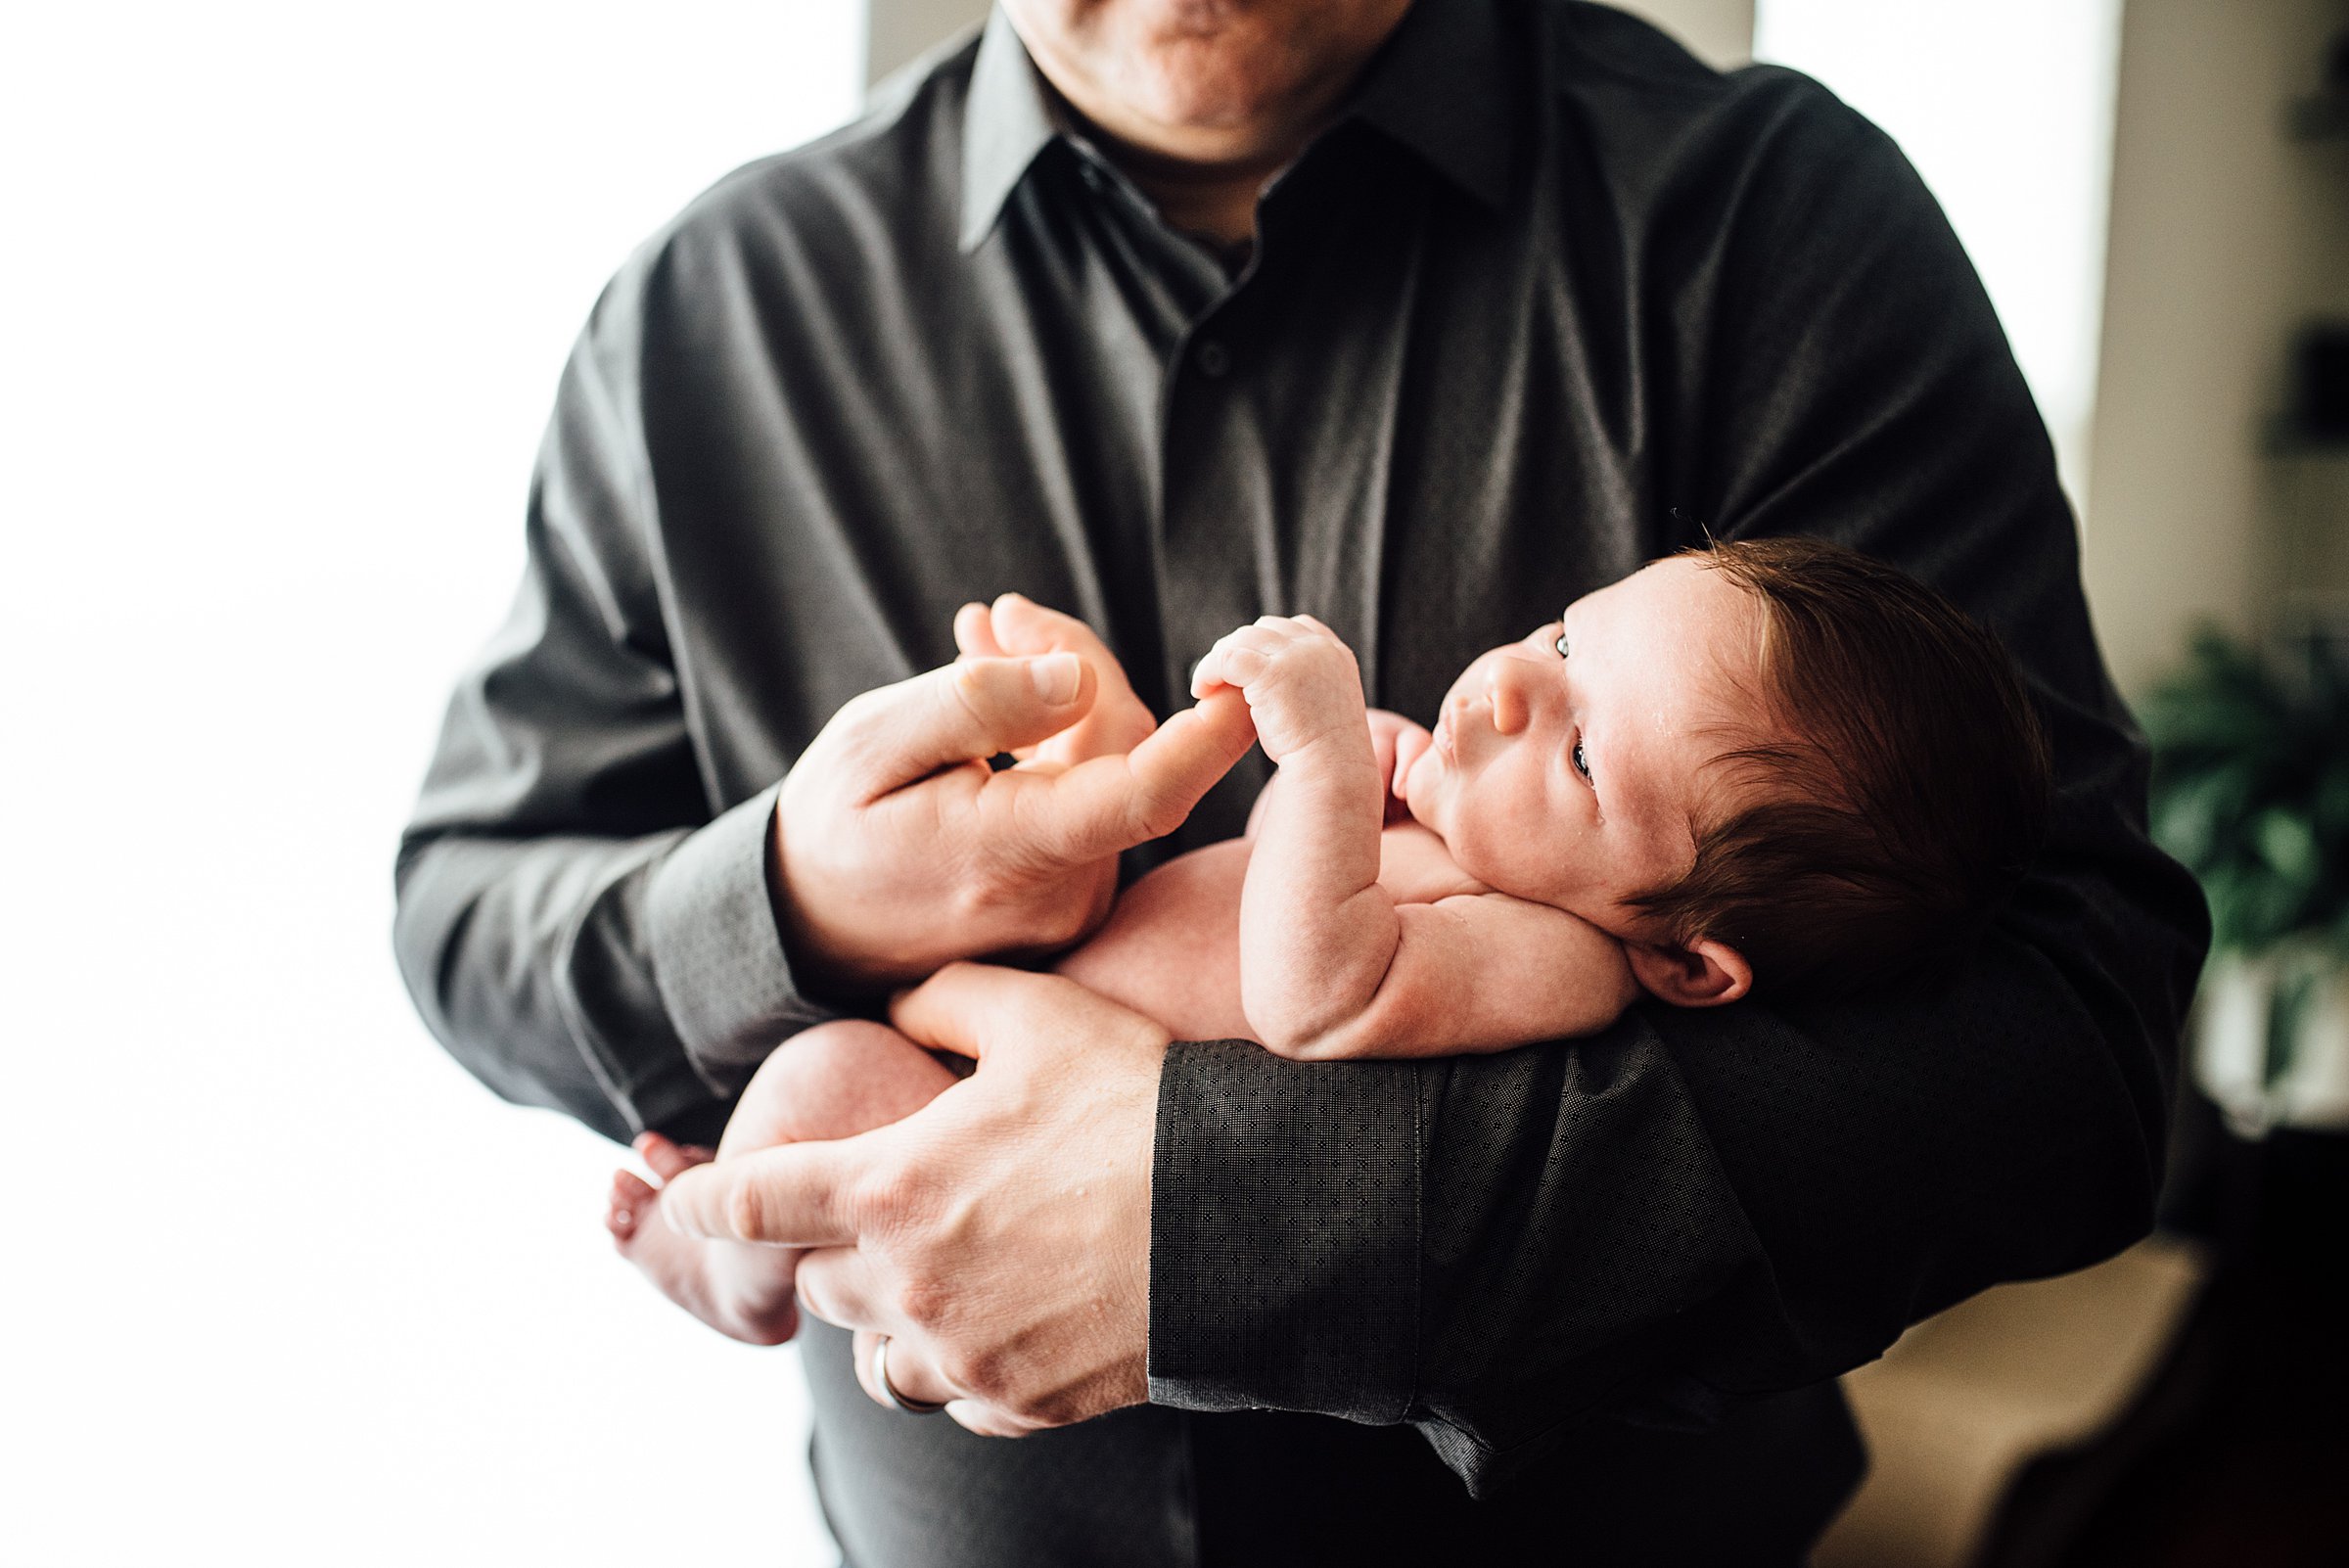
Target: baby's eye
point(1560, 645)
point(1582, 758)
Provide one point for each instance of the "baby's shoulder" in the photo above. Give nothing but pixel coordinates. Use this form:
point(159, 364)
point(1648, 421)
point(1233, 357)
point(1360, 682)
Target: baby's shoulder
point(1415, 867)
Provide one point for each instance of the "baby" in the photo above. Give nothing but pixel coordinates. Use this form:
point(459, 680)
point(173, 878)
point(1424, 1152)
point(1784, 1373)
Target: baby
point(1773, 764)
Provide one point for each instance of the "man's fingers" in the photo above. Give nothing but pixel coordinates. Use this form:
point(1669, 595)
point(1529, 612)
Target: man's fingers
point(1023, 626)
point(1111, 803)
point(986, 1420)
point(793, 1195)
point(975, 633)
point(1118, 721)
point(960, 713)
point(1186, 756)
point(910, 1374)
point(837, 1285)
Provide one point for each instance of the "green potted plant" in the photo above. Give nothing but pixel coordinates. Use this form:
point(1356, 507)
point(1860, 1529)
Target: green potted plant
point(2251, 792)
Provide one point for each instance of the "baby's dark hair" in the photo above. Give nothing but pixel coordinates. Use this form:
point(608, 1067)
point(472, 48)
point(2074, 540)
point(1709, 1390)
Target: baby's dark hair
point(1901, 794)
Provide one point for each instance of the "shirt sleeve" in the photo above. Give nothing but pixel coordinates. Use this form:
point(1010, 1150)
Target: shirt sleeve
point(577, 920)
point(1704, 1205)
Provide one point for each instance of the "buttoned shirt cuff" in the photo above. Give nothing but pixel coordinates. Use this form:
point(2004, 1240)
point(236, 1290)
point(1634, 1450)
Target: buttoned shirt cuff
point(1285, 1234)
point(718, 958)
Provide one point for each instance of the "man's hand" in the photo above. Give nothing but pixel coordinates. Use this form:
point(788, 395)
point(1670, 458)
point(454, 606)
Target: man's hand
point(898, 848)
point(1016, 626)
point(999, 1236)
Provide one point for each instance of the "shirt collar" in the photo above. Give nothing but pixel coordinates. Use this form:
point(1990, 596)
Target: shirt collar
point(1008, 120)
point(1440, 87)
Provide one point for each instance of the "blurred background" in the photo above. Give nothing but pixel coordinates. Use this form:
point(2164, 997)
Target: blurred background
point(284, 292)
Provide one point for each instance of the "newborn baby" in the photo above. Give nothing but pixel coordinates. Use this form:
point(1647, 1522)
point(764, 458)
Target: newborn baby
point(1773, 764)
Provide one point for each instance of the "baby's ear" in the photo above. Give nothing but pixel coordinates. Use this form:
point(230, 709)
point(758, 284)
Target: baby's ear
point(1704, 974)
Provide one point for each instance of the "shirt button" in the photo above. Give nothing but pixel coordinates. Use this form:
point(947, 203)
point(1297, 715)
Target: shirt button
point(1090, 173)
point(1214, 358)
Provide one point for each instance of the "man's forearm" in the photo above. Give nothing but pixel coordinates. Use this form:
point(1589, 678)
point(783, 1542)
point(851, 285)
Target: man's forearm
point(629, 982)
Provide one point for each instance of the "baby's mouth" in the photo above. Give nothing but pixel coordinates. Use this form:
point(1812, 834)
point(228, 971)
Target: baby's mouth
point(1447, 731)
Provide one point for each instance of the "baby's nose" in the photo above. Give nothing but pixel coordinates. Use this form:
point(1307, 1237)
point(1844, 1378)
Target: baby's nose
point(1504, 688)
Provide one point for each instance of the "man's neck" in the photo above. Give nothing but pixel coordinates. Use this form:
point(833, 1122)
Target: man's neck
point(1203, 121)
point(1216, 201)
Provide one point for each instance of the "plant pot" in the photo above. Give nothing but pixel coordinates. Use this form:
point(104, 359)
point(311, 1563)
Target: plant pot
point(2267, 1066)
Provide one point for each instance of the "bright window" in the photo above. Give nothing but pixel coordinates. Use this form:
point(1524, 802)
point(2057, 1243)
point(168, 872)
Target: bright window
point(2005, 107)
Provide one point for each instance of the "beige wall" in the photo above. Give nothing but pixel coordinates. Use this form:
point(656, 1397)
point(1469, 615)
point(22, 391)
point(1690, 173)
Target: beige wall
point(2225, 236)
point(896, 31)
point(1720, 32)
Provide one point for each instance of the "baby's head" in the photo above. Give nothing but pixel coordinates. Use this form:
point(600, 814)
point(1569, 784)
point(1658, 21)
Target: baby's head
point(1774, 760)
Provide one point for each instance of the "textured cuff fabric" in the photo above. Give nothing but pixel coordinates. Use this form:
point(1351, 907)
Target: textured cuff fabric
point(716, 955)
point(1285, 1234)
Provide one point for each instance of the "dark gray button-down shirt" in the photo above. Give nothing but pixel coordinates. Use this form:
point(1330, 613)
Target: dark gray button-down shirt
point(1550, 300)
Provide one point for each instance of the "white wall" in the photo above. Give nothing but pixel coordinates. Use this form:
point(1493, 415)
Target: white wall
point(283, 297)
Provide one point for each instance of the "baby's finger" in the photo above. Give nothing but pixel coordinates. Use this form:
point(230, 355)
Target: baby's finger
point(1266, 635)
point(1243, 665)
point(1237, 658)
point(1208, 673)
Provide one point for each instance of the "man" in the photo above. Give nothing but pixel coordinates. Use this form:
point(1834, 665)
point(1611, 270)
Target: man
point(1421, 321)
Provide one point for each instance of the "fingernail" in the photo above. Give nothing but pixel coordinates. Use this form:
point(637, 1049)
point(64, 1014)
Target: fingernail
point(1056, 676)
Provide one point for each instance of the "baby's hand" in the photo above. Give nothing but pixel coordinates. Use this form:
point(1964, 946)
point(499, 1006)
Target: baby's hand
point(1398, 741)
point(1303, 685)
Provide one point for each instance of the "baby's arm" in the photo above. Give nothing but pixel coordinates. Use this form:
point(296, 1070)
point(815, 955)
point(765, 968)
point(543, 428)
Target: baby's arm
point(1330, 964)
point(1483, 972)
point(1395, 741)
point(1317, 933)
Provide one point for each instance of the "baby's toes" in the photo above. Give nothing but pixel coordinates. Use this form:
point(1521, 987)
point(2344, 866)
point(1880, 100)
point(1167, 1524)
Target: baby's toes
point(631, 1202)
point(667, 1157)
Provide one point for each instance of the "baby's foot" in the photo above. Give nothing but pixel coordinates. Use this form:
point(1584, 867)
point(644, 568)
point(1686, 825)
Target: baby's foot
point(738, 1288)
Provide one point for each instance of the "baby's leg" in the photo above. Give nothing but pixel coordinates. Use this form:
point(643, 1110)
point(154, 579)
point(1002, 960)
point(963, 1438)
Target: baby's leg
point(831, 1081)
